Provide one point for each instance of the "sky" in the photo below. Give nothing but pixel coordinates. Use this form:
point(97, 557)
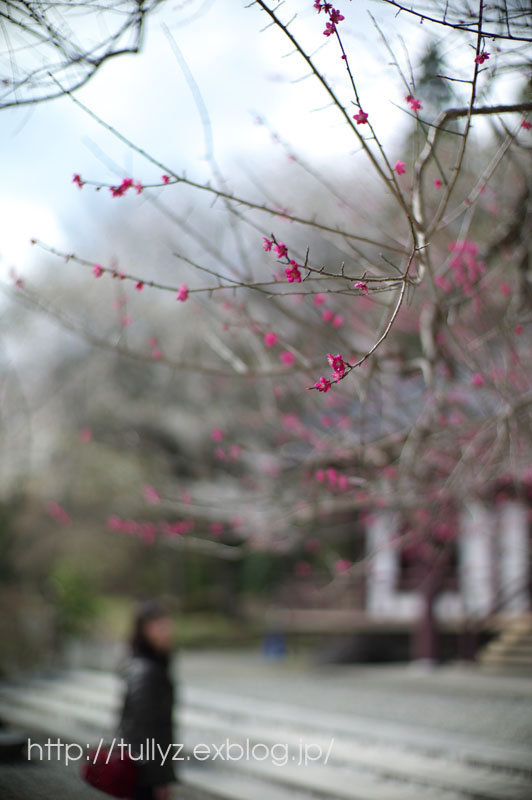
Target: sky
point(241, 70)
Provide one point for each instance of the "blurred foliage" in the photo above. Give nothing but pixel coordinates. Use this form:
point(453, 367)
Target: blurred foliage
point(260, 572)
point(75, 600)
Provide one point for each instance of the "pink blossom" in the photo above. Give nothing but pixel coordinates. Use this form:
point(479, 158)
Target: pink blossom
point(292, 272)
point(139, 187)
point(361, 117)
point(518, 329)
point(443, 283)
point(342, 565)
point(182, 293)
point(85, 435)
point(156, 353)
point(77, 180)
point(505, 289)
point(437, 183)
point(337, 321)
point(165, 178)
point(270, 339)
point(216, 528)
point(362, 286)
point(337, 364)
point(235, 451)
point(151, 495)
point(58, 513)
point(287, 358)
point(114, 523)
point(327, 315)
point(280, 249)
point(526, 125)
point(319, 299)
point(330, 28)
point(400, 167)
point(323, 385)
point(139, 286)
point(478, 379)
point(482, 57)
point(118, 191)
point(414, 104)
point(267, 244)
point(97, 271)
point(126, 321)
point(217, 434)
point(302, 569)
point(19, 282)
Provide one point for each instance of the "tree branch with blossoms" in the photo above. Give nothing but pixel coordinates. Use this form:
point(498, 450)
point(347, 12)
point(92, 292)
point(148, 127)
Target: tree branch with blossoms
point(399, 284)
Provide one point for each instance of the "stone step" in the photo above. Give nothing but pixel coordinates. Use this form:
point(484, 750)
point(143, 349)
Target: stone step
point(507, 657)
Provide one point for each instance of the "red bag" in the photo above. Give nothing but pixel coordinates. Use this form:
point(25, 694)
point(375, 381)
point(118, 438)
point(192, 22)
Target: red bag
point(111, 771)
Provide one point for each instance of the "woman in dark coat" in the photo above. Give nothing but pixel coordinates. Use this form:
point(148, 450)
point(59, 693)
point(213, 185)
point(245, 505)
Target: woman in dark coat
point(148, 702)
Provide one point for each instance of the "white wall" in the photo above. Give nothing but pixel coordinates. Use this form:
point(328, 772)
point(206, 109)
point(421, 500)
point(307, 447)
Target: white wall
point(514, 561)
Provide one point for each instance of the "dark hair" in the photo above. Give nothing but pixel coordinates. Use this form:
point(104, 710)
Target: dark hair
point(140, 646)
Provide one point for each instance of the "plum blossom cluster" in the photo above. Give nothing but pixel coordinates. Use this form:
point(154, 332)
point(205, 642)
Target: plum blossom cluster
point(123, 188)
point(327, 314)
point(414, 104)
point(292, 271)
point(332, 479)
point(127, 183)
point(466, 268)
point(57, 512)
point(231, 452)
point(338, 366)
point(334, 16)
point(147, 531)
point(116, 191)
point(98, 271)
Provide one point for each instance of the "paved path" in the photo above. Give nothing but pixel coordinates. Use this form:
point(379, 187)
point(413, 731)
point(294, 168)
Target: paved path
point(390, 732)
point(453, 698)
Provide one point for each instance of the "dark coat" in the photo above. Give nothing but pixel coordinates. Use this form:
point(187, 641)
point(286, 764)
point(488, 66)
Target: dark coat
point(147, 715)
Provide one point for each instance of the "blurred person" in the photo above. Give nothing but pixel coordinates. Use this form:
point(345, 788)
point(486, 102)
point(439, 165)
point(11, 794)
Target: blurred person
point(147, 711)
